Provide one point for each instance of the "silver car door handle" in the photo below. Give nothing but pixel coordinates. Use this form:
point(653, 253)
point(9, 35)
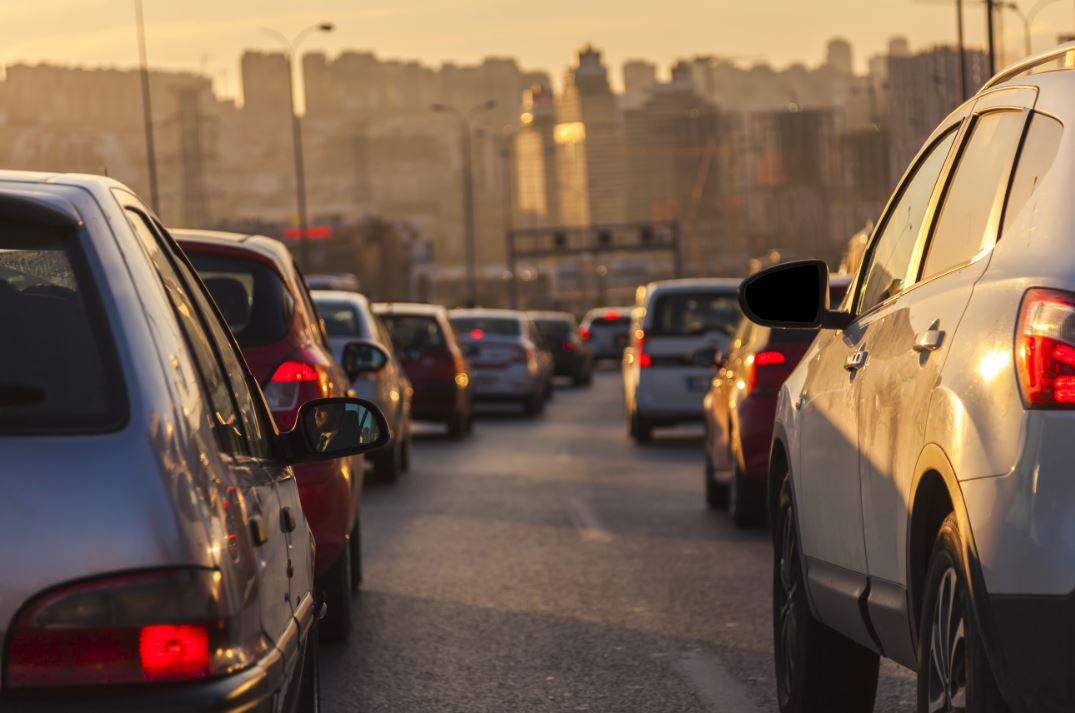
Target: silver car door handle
point(856, 360)
point(929, 340)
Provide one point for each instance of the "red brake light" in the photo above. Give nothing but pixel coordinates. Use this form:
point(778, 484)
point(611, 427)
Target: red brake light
point(769, 358)
point(611, 315)
point(477, 333)
point(644, 359)
point(294, 371)
point(1045, 349)
point(174, 651)
point(763, 359)
point(584, 332)
point(568, 346)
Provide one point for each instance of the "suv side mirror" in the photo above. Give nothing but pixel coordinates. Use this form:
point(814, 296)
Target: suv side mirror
point(361, 358)
point(792, 295)
point(334, 428)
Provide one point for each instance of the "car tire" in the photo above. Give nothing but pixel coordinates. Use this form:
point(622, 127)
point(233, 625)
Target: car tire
point(954, 672)
point(459, 425)
point(716, 494)
point(746, 499)
point(641, 429)
point(310, 683)
point(534, 405)
point(817, 669)
point(355, 551)
point(388, 463)
point(335, 586)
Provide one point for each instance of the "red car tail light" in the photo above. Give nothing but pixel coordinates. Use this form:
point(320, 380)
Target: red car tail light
point(584, 332)
point(282, 391)
point(1045, 349)
point(611, 315)
point(755, 375)
point(644, 359)
point(568, 346)
point(477, 333)
point(153, 626)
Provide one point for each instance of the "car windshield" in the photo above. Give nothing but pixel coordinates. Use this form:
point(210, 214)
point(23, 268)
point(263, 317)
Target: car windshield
point(497, 326)
point(341, 319)
point(413, 331)
point(684, 314)
point(255, 302)
point(554, 328)
point(58, 369)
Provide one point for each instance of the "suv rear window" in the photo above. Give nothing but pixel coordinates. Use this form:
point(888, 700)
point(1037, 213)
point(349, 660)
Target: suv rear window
point(413, 331)
point(603, 322)
point(498, 326)
point(255, 302)
point(685, 314)
point(341, 319)
point(58, 368)
point(554, 328)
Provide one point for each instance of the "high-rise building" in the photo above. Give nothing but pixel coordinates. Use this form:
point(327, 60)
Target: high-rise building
point(266, 87)
point(537, 189)
point(838, 56)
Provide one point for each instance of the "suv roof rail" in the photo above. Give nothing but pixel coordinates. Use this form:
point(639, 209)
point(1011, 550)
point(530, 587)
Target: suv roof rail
point(1066, 51)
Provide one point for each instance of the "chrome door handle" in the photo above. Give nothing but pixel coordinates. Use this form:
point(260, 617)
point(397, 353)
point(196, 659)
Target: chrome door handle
point(929, 340)
point(856, 360)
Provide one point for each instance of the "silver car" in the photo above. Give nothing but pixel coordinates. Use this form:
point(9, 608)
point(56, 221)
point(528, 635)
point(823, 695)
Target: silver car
point(506, 360)
point(920, 482)
point(350, 323)
point(156, 555)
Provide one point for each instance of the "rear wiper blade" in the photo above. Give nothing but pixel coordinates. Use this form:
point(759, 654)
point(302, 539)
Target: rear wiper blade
point(19, 395)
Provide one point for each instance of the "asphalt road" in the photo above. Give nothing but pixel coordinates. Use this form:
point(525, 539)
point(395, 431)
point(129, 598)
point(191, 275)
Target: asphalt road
point(551, 565)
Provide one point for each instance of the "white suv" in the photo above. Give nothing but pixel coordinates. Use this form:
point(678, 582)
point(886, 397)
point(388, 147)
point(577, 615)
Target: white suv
point(672, 323)
point(920, 482)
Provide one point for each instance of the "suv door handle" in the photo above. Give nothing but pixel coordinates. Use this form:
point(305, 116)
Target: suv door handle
point(288, 523)
point(856, 360)
point(929, 340)
point(258, 533)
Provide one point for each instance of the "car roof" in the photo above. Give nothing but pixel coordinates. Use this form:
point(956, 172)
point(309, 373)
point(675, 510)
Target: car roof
point(340, 296)
point(408, 308)
point(730, 284)
point(488, 312)
point(262, 245)
point(550, 314)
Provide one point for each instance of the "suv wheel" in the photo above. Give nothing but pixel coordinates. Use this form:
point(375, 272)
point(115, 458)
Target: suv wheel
point(716, 494)
point(817, 669)
point(388, 463)
point(336, 593)
point(460, 424)
point(640, 429)
point(534, 404)
point(954, 674)
point(746, 499)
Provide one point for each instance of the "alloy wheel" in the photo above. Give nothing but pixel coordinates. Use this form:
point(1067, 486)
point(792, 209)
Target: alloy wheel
point(947, 649)
point(789, 606)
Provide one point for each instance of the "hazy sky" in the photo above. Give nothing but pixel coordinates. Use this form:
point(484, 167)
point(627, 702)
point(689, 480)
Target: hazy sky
point(209, 35)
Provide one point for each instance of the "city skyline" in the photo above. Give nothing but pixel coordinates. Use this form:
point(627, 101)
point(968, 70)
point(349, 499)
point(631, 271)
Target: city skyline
point(100, 33)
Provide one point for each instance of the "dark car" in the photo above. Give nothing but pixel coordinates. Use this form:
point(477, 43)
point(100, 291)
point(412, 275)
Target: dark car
point(433, 359)
point(607, 330)
point(573, 356)
point(266, 303)
point(739, 411)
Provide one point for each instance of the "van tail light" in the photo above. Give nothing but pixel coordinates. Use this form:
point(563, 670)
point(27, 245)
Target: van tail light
point(584, 332)
point(644, 359)
point(168, 625)
point(291, 380)
point(759, 371)
point(1045, 349)
point(568, 346)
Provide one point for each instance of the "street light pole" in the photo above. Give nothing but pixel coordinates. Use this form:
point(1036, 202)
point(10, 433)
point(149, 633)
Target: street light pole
point(147, 108)
point(962, 51)
point(296, 133)
point(468, 193)
point(1028, 19)
point(992, 37)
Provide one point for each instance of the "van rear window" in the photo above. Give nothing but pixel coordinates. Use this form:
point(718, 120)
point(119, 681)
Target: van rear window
point(255, 302)
point(684, 314)
point(58, 368)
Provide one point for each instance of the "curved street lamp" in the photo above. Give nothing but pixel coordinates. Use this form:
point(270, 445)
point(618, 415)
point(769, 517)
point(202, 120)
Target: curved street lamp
point(1027, 18)
point(290, 47)
point(468, 189)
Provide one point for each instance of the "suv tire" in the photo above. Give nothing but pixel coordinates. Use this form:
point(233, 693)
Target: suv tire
point(746, 499)
point(388, 462)
point(716, 494)
point(640, 429)
point(954, 673)
point(335, 588)
point(459, 425)
point(817, 669)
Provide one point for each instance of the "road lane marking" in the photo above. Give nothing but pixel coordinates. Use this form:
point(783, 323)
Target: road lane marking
point(715, 685)
point(586, 522)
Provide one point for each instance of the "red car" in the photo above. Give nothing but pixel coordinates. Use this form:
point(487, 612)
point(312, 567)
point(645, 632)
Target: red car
point(739, 412)
point(264, 300)
point(433, 359)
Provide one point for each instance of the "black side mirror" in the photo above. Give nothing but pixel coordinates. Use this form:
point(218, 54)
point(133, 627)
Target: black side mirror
point(706, 358)
point(360, 358)
point(334, 428)
point(792, 295)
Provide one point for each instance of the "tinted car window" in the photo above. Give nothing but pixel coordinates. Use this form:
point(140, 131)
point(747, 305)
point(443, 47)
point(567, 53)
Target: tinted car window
point(58, 369)
point(682, 314)
point(500, 326)
point(1035, 160)
point(893, 247)
point(254, 300)
point(554, 328)
point(969, 216)
point(413, 331)
point(341, 319)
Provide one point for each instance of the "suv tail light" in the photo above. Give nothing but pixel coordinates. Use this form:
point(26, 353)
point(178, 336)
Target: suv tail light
point(768, 378)
point(1045, 349)
point(644, 359)
point(568, 346)
point(151, 626)
point(282, 391)
point(584, 332)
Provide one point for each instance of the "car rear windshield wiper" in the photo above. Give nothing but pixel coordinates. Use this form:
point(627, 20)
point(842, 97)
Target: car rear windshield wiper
point(19, 395)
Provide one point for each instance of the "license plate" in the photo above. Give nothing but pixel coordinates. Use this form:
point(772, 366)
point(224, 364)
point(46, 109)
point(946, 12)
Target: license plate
point(698, 383)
